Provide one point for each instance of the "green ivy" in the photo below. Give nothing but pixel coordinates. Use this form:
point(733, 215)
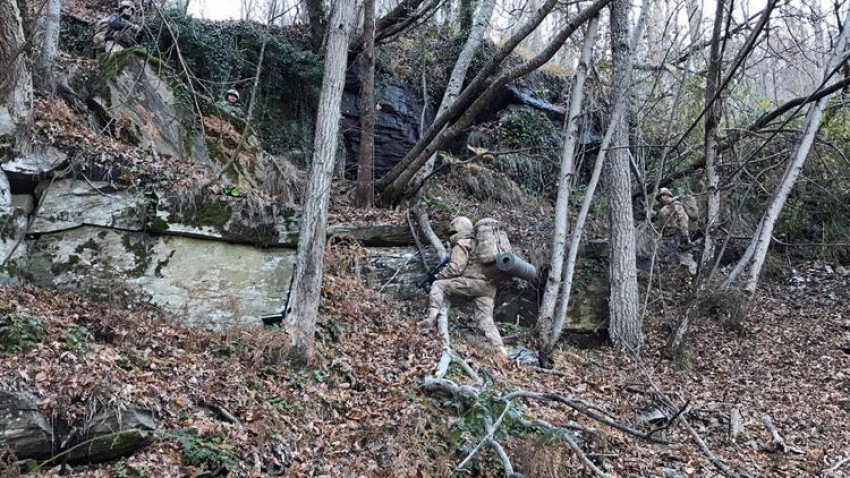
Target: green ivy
point(225, 55)
point(19, 332)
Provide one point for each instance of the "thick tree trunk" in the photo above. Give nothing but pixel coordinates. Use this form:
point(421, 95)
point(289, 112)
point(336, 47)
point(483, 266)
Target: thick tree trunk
point(15, 75)
point(456, 79)
point(15, 85)
point(626, 324)
point(553, 283)
point(366, 158)
point(47, 41)
point(303, 304)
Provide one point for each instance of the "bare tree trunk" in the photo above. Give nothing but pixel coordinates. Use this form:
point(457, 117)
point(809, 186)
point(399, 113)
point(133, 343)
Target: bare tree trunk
point(754, 257)
point(366, 157)
point(303, 304)
point(553, 283)
point(15, 84)
point(456, 79)
point(626, 324)
point(47, 41)
point(15, 75)
point(318, 22)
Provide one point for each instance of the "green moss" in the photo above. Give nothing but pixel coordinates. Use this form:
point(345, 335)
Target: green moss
point(206, 212)
point(261, 234)
point(90, 244)
point(158, 224)
point(113, 64)
point(141, 254)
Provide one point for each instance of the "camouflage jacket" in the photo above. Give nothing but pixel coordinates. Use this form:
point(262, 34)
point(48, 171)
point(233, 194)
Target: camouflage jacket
point(672, 220)
point(462, 244)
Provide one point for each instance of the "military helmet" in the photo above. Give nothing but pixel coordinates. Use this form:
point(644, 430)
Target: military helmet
point(232, 92)
point(127, 4)
point(460, 224)
point(663, 192)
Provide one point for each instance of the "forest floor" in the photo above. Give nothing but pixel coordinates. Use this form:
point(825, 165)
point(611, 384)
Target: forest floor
point(359, 410)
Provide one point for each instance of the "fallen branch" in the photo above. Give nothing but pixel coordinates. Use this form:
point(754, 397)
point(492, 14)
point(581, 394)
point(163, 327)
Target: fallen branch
point(575, 405)
point(840, 463)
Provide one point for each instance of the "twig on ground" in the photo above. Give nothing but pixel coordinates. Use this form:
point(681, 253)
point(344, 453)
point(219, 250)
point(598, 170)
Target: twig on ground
point(840, 463)
point(551, 372)
point(777, 442)
point(575, 405)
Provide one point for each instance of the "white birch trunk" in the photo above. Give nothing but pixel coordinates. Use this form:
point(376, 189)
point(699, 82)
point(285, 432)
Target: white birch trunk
point(47, 41)
point(626, 324)
point(476, 34)
point(754, 257)
point(553, 283)
point(303, 305)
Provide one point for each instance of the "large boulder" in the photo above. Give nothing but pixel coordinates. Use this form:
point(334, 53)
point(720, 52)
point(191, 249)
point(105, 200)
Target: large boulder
point(207, 283)
point(70, 203)
point(138, 102)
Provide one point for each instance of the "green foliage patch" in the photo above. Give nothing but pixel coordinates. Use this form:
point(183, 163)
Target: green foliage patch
point(19, 332)
point(207, 452)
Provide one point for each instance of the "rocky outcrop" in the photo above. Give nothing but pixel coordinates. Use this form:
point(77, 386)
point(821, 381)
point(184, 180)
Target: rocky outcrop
point(207, 283)
point(140, 106)
point(68, 204)
point(396, 126)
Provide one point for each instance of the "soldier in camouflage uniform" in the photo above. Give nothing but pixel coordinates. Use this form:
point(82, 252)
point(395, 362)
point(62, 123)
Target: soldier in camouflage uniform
point(672, 222)
point(230, 103)
point(463, 276)
point(117, 31)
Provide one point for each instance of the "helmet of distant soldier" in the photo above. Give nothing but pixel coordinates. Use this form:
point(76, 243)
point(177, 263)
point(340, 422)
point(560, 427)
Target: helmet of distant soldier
point(233, 93)
point(460, 224)
point(127, 5)
point(663, 192)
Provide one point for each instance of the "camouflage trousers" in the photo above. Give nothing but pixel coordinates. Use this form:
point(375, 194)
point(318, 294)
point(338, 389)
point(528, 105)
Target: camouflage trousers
point(483, 294)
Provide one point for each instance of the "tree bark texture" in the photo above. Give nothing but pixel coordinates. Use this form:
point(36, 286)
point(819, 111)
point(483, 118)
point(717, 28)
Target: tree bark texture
point(626, 324)
point(562, 203)
point(303, 304)
point(318, 22)
point(754, 257)
point(15, 76)
point(47, 41)
point(455, 84)
point(366, 157)
point(477, 95)
point(712, 120)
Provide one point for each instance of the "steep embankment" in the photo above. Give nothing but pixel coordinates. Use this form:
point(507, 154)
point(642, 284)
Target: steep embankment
point(232, 400)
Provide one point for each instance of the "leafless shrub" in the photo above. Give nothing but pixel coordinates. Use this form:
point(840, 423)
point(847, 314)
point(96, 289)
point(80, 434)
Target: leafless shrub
point(487, 185)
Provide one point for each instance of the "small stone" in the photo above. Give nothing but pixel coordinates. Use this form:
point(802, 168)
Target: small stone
point(839, 269)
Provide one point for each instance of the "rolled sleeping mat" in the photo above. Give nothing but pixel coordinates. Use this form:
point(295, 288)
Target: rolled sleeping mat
point(514, 266)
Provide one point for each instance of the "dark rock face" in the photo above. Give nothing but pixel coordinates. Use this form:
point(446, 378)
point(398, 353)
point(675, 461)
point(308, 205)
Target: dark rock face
point(396, 127)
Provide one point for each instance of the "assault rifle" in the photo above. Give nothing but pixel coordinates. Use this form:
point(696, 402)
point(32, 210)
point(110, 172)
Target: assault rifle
point(431, 276)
